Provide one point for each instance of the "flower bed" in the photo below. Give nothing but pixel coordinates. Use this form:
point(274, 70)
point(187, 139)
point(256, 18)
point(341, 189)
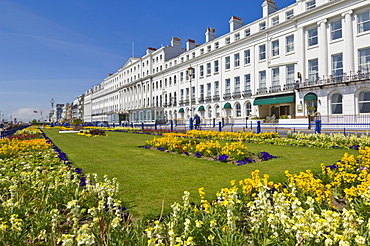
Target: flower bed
point(45, 201)
point(332, 140)
point(93, 133)
point(233, 152)
point(307, 210)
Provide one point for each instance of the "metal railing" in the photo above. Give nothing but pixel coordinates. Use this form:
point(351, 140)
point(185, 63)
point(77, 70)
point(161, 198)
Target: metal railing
point(10, 132)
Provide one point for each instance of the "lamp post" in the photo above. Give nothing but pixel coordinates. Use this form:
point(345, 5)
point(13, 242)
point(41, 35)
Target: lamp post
point(190, 74)
point(52, 109)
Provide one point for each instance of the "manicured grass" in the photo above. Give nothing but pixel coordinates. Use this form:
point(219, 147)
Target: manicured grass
point(148, 177)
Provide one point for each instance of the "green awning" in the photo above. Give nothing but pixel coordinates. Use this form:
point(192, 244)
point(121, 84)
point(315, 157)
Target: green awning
point(201, 108)
point(181, 110)
point(310, 97)
point(227, 105)
point(274, 100)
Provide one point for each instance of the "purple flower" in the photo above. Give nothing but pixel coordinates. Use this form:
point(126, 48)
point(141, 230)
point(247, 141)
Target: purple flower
point(265, 156)
point(78, 170)
point(186, 153)
point(161, 148)
point(332, 166)
point(198, 155)
point(82, 182)
point(222, 158)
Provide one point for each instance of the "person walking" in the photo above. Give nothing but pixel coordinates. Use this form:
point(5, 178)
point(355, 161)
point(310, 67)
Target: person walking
point(197, 121)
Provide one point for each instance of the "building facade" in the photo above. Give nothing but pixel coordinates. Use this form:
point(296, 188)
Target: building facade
point(312, 57)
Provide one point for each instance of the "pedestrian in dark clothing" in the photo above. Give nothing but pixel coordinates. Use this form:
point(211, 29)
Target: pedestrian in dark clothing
point(197, 121)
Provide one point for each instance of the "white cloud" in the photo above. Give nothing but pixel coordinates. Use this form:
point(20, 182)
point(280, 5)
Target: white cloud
point(28, 114)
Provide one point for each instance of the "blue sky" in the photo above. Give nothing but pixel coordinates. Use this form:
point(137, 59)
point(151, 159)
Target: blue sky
point(60, 48)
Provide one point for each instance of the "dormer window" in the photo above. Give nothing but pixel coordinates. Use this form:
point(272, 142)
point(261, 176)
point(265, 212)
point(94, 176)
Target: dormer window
point(275, 20)
point(262, 26)
point(247, 32)
point(311, 4)
point(237, 36)
point(227, 40)
point(289, 14)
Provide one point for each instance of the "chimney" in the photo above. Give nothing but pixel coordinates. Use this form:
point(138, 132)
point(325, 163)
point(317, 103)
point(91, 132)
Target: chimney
point(235, 23)
point(150, 50)
point(268, 7)
point(176, 42)
point(210, 34)
point(190, 44)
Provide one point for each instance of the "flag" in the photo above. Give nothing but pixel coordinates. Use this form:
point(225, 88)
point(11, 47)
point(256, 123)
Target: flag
point(35, 111)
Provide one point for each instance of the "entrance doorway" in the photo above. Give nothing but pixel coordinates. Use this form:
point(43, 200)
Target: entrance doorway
point(284, 110)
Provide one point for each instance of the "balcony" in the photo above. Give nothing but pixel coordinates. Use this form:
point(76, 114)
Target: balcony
point(237, 94)
point(227, 96)
point(201, 99)
point(247, 93)
point(216, 98)
point(262, 90)
point(181, 102)
point(289, 87)
point(274, 88)
point(344, 79)
point(208, 98)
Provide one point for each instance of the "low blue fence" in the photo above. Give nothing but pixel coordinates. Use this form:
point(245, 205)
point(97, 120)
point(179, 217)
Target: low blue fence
point(258, 127)
point(9, 133)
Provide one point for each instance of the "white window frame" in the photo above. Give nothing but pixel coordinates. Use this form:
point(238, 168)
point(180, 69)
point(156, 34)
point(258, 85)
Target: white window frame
point(227, 86)
point(217, 88)
point(247, 82)
point(262, 79)
point(262, 52)
point(236, 60)
point(289, 14)
point(275, 48)
point(363, 102)
point(290, 43)
point(209, 69)
point(313, 69)
point(336, 30)
point(227, 62)
point(290, 72)
point(337, 65)
point(237, 84)
point(310, 4)
point(364, 59)
point(363, 20)
point(334, 104)
point(247, 57)
point(262, 26)
point(313, 36)
point(216, 68)
point(201, 71)
point(275, 20)
point(275, 74)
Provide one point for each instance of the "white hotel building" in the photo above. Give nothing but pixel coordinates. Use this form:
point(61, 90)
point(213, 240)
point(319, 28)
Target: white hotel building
point(310, 57)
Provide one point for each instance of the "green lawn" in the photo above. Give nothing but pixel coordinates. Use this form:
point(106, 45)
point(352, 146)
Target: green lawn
point(148, 177)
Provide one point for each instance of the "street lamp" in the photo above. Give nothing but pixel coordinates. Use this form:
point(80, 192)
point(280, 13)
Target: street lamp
point(52, 109)
point(190, 74)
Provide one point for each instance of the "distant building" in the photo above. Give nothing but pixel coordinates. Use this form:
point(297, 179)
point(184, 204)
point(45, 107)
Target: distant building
point(310, 57)
point(77, 108)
